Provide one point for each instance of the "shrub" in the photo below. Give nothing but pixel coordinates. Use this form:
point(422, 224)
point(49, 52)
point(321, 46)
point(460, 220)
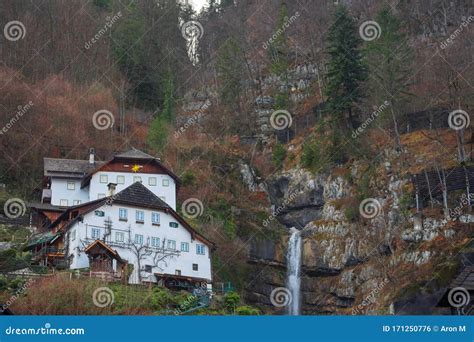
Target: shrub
point(246, 310)
point(231, 300)
point(188, 178)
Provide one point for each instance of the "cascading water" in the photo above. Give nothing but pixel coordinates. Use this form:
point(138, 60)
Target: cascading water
point(293, 259)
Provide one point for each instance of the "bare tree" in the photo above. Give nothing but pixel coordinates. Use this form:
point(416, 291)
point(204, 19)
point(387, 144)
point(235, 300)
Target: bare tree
point(144, 250)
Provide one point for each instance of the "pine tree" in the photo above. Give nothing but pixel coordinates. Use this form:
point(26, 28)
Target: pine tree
point(389, 58)
point(278, 49)
point(345, 69)
point(162, 124)
point(230, 66)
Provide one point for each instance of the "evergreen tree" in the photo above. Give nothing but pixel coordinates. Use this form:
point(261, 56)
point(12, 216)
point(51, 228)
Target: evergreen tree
point(345, 70)
point(389, 58)
point(278, 48)
point(162, 124)
point(230, 66)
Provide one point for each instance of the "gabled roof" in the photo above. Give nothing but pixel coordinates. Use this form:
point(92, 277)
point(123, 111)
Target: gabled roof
point(135, 195)
point(138, 194)
point(68, 167)
point(131, 155)
point(134, 154)
point(103, 246)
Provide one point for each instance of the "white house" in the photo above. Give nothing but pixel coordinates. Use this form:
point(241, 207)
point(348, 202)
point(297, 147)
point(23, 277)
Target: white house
point(123, 222)
point(71, 182)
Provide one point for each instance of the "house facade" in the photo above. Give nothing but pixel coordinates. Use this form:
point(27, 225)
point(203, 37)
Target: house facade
point(125, 224)
point(72, 182)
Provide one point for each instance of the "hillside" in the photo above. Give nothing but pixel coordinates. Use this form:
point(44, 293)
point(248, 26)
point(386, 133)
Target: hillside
point(274, 115)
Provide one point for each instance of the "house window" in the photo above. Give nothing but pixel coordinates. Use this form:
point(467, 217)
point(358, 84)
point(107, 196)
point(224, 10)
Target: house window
point(120, 179)
point(165, 182)
point(118, 237)
point(171, 244)
point(139, 239)
point(184, 247)
point(76, 202)
point(148, 268)
point(73, 235)
point(163, 198)
point(155, 218)
point(63, 203)
point(122, 214)
point(177, 272)
point(195, 267)
point(137, 179)
point(99, 213)
point(155, 242)
point(99, 196)
point(152, 181)
point(200, 249)
point(95, 233)
point(104, 179)
point(174, 224)
point(71, 185)
point(140, 216)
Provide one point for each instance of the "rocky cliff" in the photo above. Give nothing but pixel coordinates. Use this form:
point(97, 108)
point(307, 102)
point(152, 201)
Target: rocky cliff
point(356, 259)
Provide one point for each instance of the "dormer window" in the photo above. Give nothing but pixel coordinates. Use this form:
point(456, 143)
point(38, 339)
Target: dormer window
point(104, 179)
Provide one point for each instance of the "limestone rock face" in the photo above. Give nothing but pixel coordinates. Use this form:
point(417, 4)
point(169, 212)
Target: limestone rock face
point(346, 261)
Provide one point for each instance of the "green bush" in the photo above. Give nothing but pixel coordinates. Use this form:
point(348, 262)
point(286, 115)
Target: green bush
point(231, 300)
point(246, 310)
point(160, 298)
point(188, 178)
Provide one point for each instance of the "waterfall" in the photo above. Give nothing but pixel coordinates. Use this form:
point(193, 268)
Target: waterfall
point(293, 266)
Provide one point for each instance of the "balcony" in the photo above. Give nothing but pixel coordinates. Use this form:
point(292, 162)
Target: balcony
point(49, 251)
point(46, 196)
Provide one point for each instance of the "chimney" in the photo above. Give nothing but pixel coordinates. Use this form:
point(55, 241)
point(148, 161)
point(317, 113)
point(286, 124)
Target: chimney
point(111, 187)
point(91, 156)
